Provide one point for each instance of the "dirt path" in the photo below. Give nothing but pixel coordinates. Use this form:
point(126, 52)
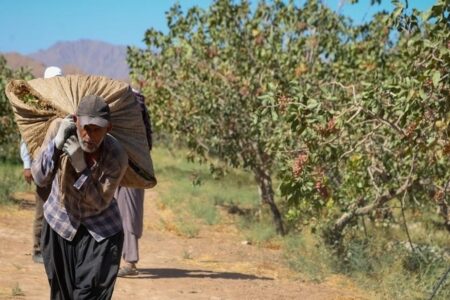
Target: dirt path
point(215, 265)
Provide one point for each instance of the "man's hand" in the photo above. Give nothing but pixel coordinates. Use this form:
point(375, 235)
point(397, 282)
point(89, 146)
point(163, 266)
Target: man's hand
point(27, 175)
point(76, 155)
point(65, 130)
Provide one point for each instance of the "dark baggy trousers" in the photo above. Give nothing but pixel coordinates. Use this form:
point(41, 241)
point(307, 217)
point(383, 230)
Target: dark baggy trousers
point(82, 268)
point(41, 195)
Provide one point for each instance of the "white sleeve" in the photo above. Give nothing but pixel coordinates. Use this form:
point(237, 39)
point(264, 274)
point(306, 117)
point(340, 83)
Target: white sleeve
point(25, 155)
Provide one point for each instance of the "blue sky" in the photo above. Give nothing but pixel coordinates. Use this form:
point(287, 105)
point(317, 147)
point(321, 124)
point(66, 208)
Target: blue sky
point(27, 26)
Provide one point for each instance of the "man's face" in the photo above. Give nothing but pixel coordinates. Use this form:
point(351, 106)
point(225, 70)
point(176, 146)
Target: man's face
point(91, 136)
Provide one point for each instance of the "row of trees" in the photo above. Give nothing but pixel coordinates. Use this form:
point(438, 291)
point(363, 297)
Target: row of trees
point(349, 117)
point(9, 133)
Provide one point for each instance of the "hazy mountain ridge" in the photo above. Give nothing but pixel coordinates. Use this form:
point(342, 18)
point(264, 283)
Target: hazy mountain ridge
point(82, 56)
point(16, 61)
point(89, 56)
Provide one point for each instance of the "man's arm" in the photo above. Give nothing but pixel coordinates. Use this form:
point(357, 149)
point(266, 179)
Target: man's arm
point(43, 168)
point(26, 159)
point(25, 155)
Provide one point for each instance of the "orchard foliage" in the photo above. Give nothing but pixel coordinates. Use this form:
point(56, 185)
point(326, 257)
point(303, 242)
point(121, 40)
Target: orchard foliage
point(350, 117)
point(9, 133)
point(370, 124)
point(206, 77)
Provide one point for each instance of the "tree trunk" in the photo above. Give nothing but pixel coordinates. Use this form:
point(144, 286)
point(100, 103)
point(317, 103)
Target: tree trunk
point(444, 211)
point(264, 181)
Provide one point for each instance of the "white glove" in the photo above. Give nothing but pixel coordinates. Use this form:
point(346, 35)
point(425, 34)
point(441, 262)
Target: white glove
point(76, 155)
point(65, 130)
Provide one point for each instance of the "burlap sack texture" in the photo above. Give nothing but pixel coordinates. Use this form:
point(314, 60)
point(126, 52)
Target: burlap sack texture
point(38, 102)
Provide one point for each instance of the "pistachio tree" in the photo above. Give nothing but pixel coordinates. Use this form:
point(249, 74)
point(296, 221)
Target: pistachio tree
point(207, 76)
point(351, 117)
point(9, 133)
point(369, 125)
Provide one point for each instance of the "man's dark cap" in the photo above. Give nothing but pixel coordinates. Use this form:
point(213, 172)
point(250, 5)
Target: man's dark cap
point(93, 110)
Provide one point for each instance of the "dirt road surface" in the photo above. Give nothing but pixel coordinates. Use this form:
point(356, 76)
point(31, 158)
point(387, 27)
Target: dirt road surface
point(216, 265)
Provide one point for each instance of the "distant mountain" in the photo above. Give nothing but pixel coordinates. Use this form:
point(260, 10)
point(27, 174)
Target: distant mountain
point(91, 57)
point(16, 60)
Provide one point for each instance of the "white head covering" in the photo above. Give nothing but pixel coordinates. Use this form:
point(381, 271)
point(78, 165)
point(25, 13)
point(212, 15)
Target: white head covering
point(52, 72)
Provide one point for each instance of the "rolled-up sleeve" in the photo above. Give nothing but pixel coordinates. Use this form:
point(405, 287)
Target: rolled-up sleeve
point(43, 167)
point(25, 155)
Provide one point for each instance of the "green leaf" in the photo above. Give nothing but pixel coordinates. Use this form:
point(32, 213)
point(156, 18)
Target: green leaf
point(436, 78)
point(397, 12)
point(312, 104)
point(422, 94)
point(274, 115)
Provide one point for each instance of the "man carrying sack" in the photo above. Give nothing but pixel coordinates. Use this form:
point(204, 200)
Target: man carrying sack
point(82, 233)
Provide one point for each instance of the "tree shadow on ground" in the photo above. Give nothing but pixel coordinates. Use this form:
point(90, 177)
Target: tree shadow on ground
point(181, 273)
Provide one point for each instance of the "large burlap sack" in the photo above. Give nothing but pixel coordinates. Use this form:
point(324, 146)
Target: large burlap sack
point(38, 102)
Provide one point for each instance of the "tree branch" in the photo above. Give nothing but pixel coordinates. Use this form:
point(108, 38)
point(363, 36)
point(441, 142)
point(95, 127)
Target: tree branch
point(354, 210)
